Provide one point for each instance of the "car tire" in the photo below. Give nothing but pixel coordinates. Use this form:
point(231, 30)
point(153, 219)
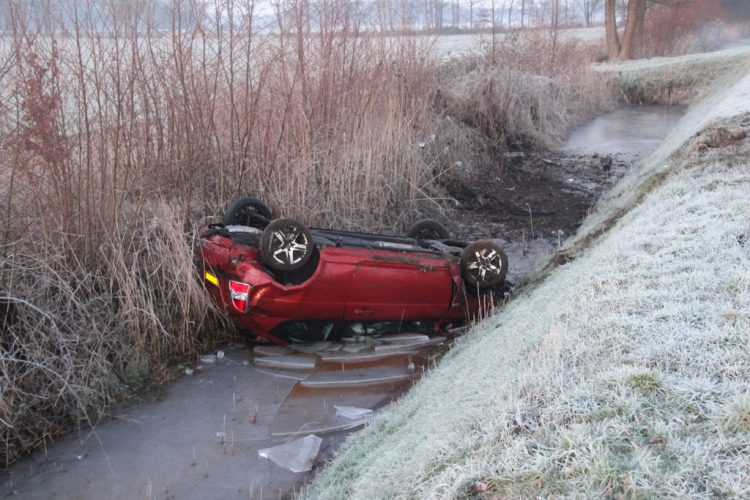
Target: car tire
point(286, 245)
point(428, 229)
point(247, 211)
point(484, 264)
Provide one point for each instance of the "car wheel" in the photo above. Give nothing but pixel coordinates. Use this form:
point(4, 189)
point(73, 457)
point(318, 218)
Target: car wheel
point(428, 229)
point(484, 264)
point(247, 211)
point(286, 245)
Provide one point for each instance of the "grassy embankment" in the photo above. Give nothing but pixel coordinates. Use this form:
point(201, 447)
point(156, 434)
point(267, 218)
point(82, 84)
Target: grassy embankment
point(117, 137)
point(624, 373)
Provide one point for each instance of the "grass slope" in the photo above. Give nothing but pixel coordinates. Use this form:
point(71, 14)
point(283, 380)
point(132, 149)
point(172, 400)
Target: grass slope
point(626, 372)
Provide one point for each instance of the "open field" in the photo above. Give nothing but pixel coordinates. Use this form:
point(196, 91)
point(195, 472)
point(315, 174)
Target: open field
point(623, 373)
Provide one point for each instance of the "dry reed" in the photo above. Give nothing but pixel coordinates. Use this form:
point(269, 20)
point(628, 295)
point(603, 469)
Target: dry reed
point(123, 124)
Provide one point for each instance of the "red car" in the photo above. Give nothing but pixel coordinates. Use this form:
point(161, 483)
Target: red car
point(287, 283)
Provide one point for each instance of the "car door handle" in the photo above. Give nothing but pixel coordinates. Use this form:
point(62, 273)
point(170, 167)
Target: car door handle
point(363, 312)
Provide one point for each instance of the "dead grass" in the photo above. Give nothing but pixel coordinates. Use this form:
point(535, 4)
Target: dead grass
point(76, 339)
point(527, 92)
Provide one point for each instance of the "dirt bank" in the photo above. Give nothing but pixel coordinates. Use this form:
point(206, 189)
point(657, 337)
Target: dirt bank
point(532, 202)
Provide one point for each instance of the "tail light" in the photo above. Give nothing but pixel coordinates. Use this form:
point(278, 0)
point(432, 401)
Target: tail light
point(239, 293)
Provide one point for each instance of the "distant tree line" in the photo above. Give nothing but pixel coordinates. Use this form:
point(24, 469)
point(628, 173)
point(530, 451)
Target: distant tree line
point(737, 9)
point(396, 15)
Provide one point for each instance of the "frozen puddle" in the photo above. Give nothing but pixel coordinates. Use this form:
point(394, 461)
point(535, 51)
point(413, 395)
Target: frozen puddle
point(628, 132)
point(243, 425)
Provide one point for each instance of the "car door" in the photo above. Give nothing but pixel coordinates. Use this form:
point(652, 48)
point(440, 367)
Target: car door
point(399, 286)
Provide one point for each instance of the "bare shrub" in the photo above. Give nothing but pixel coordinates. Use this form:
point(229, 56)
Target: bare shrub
point(75, 339)
point(679, 28)
point(54, 371)
point(527, 90)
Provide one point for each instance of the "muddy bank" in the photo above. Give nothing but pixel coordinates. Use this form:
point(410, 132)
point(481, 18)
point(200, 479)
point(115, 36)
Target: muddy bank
point(534, 203)
point(531, 202)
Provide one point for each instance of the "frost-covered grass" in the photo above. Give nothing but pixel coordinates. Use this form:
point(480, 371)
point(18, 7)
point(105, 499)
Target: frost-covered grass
point(674, 80)
point(626, 372)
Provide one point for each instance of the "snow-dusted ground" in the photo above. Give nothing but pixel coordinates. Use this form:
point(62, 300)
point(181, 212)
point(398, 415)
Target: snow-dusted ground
point(462, 45)
point(690, 59)
point(624, 373)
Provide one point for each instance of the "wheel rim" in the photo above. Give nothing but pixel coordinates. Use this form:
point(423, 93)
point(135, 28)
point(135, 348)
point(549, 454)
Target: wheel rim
point(288, 245)
point(486, 264)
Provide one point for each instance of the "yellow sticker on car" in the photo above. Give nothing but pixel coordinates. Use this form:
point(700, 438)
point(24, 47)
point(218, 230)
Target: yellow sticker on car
point(212, 279)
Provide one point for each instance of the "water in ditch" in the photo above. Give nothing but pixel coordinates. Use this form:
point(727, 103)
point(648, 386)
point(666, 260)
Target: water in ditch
point(627, 133)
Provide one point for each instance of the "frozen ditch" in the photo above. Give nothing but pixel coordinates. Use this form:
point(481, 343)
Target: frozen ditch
point(244, 423)
point(627, 133)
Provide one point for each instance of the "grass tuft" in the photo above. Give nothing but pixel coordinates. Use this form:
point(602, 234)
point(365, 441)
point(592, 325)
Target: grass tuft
point(646, 382)
point(734, 416)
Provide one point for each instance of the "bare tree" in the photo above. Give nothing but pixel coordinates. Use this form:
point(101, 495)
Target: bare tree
point(439, 7)
point(633, 34)
point(610, 24)
point(590, 9)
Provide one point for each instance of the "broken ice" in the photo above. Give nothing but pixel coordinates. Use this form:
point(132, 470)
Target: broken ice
point(353, 413)
point(296, 456)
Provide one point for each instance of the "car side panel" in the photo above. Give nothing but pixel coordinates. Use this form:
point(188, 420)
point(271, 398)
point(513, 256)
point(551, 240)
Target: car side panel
point(355, 284)
point(395, 286)
point(323, 296)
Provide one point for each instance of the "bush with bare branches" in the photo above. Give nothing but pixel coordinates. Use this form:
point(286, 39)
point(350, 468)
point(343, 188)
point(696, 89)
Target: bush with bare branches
point(527, 91)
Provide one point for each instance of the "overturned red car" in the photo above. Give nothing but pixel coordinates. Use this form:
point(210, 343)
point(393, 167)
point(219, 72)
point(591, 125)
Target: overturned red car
point(288, 283)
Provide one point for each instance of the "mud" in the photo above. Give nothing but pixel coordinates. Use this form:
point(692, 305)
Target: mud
point(532, 202)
